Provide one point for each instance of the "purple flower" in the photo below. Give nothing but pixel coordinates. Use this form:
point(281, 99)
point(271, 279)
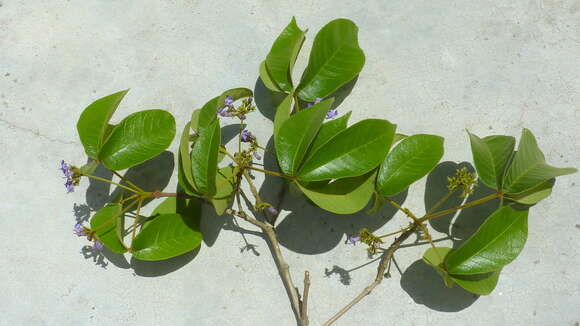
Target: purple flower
point(79, 230)
point(257, 156)
point(272, 210)
point(229, 101)
point(316, 101)
point(242, 116)
point(98, 245)
point(331, 113)
point(353, 239)
point(224, 112)
point(68, 174)
point(247, 136)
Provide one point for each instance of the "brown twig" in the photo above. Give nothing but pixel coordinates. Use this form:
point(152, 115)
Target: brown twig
point(381, 269)
point(304, 303)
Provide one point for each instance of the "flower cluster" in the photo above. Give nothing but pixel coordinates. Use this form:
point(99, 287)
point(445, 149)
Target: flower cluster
point(82, 231)
point(229, 110)
point(247, 137)
point(332, 113)
point(462, 179)
point(71, 175)
point(367, 237)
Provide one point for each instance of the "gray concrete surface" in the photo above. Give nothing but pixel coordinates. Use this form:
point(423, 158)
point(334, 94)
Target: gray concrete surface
point(432, 66)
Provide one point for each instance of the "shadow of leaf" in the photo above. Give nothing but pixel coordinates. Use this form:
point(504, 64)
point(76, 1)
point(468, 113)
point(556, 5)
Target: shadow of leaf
point(97, 194)
point(163, 267)
point(426, 287)
point(266, 100)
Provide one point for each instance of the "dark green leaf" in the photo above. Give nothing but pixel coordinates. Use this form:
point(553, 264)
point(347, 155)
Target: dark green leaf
point(280, 60)
point(480, 284)
point(491, 156)
point(529, 168)
point(343, 196)
point(496, 243)
point(204, 157)
point(297, 133)
point(534, 195)
point(225, 183)
point(282, 114)
point(105, 222)
point(267, 78)
point(138, 138)
point(184, 170)
point(353, 152)
point(409, 161)
point(93, 122)
point(327, 131)
point(172, 231)
point(335, 59)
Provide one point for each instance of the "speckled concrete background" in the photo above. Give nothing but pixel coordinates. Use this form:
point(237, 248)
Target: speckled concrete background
point(432, 66)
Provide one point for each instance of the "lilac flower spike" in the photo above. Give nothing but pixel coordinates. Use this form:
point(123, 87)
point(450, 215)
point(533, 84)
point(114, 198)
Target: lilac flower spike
point(68, 174)
point(98, 245)
point(353, 239)
point(331, 113)
point(229, 101)
point(247, 136)
point(224, 112)
point(272, 210)
point(257, 156)
point(79, 230)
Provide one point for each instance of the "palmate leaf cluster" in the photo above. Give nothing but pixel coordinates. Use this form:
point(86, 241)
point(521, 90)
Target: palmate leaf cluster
point(338, 166)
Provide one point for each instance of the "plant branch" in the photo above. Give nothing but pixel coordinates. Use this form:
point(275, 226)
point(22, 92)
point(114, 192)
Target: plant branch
point(278, 174)
point(455, 209)
point(381, 269)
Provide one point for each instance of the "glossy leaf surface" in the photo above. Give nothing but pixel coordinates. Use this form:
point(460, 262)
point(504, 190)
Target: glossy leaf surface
point(138, 138)
point(409, 161)
point(204, 158)
point(529, 168)
point(225, 184)
point(267, 79)
point(172, 231)
point(105, 222)
point(94, 120)
point(297, 133)
point(343, 196)
point(496, 243)
point(283, 112)
point(328, 130)
point(280, 60)
point(491, 156)
point(353, 152)
point(335, 59)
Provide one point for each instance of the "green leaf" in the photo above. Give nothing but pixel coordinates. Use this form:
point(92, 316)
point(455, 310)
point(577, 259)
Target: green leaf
point(138, 138)
point(435, 257)
point(283, 112)
point(480, 284)
point(378, 202)
point(93, 122)
point(267, 79)
point(534, 195)
point(353, 152)
point(105, 222)
point(235, 93)
point(90, 167)
point(169, 234)
point(335, 59)
point(491, 156)
point(342, 196)
point(496, 243)
point(399, 137)
point(184, 170)
point(225, 183)
point(207, 114)
point(204, 158)
point(409, 161)
point(280, 60)
point(327, 131)
point(529, 168)
point(297, 133)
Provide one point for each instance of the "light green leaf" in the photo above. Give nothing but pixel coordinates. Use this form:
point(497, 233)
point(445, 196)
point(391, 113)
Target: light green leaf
point(172, 231)
point(184, 169)
point(297, 133)
point(409, 161)
point(207, 114)
point(529, 168)
point(353, 152)
point(280, 60)
point(480, 284)
point(283, 112)
point(138, 138)
point(267, 79)
point(496, 243)
point(335, 59)
point(204, 157)
point(225, 181)
point(491, 156)
point(94, 120)
point(327, 131)
point(343, 196)
point(105, 222)
point(534, 195)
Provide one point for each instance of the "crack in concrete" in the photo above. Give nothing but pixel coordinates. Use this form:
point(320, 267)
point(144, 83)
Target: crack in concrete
point(36, 133)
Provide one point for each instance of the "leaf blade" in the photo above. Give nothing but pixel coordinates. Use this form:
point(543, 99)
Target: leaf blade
point(280, 60)
point(204, 158)
point(105, 223)
point(491, 156)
